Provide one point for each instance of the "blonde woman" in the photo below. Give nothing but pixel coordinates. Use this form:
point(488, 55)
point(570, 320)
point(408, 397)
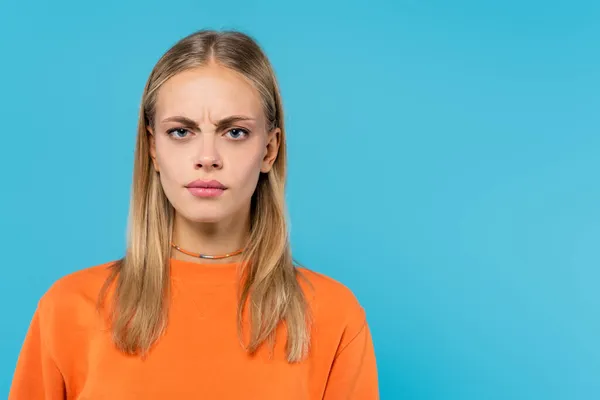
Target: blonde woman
point(207, 302)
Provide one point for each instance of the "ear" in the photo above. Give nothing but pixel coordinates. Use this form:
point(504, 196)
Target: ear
point(271, 150)
point(152, 141)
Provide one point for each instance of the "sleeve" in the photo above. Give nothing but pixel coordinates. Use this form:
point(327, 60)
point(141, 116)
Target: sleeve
point(36, 375)
point(353, 375)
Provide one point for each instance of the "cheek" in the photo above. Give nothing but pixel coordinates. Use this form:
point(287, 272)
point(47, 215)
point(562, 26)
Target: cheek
point(246, 170)
point(170, 163)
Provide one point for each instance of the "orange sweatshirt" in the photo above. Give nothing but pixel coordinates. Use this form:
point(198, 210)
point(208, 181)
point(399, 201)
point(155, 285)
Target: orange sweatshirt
point(68, 353)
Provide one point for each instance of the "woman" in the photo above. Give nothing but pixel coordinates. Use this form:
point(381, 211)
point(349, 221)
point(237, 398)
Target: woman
point(207, 302)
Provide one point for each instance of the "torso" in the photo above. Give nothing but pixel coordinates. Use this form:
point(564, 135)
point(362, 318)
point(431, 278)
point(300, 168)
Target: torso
point(200, 355)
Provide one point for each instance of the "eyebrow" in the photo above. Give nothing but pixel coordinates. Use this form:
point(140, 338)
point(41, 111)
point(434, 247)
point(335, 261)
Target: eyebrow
point(220, 124)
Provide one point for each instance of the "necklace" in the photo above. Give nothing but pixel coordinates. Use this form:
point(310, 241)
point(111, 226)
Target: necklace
point(206, 256)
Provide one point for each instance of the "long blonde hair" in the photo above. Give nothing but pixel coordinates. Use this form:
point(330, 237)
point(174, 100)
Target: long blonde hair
point(269, 290)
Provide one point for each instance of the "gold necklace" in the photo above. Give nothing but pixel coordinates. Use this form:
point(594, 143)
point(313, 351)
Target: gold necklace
point(207, 256)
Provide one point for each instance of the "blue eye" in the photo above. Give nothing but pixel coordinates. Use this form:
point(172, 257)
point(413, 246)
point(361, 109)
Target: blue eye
point(178, 133)
point(237, 133)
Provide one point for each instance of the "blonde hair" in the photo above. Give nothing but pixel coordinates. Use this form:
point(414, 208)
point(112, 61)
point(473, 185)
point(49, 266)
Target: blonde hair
point(269, 289)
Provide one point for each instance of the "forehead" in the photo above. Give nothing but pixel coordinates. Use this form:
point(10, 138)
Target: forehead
point(212, 91)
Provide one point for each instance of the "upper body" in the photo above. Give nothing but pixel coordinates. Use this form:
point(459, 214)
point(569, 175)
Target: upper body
point(68, 353)
point(207, 279)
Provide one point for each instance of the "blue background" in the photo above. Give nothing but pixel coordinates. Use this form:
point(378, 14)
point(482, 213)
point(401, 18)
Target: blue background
point(444, 162)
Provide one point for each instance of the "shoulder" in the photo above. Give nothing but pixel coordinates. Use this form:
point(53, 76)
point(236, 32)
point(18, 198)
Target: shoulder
point(324, 288)
point(74, 293)
point(334, 307)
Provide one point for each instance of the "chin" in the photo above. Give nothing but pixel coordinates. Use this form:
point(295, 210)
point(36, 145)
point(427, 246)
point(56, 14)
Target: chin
point(205, 218)
point(209, 212)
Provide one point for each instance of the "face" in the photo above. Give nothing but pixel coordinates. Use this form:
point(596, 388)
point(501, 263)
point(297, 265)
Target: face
point(209, 143)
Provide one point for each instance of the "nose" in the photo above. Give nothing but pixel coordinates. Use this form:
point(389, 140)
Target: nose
point(208, 157)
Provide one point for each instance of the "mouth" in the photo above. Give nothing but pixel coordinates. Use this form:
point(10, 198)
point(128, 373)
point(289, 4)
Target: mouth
point(200, 188)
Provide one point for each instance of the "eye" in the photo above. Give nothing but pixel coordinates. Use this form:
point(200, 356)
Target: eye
point(237, 133)
point(178, 133)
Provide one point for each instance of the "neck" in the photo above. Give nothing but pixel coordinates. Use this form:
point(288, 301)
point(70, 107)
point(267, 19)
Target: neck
point(217, 238)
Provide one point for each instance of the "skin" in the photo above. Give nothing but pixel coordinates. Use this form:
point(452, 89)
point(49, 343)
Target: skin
point(234, 154)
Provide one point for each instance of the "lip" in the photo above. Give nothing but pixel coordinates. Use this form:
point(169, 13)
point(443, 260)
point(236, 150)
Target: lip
point(206, 184)
point(200, 188)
